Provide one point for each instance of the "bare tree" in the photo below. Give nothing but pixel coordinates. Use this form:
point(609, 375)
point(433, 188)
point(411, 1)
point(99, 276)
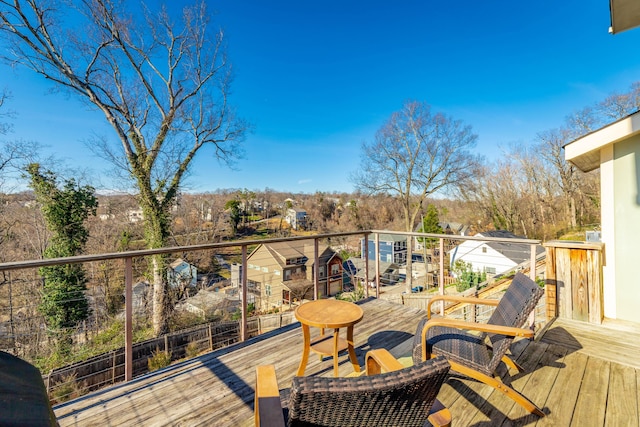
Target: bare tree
point(5, 127)
point(417, 153)
point(162, 85)
point(618, 105)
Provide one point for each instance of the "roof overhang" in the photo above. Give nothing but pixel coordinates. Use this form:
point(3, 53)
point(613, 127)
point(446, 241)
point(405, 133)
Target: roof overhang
point(625, 14)
point(584, 152)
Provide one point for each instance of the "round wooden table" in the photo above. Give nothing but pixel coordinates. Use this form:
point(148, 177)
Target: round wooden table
point(330, 314)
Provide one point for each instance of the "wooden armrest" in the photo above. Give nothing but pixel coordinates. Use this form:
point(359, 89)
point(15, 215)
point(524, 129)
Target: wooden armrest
point(380, 360)
point(439, 415)
point(267, 407)
point(457, 298)
point(471, 326)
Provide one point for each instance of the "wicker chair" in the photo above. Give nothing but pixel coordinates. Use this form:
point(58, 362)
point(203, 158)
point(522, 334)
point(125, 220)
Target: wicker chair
point(478, 355)
point(398, 397)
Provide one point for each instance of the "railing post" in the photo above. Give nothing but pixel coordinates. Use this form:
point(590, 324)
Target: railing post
point(365, 251)
point(441, 274)
point(532, 268)
point(243, 296)
point(316, 269)
point(532, 275)
point(210, 337)
point(128, 319)
point(377, 251)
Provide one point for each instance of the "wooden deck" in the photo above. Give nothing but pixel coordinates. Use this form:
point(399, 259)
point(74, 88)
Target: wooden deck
point(568, 373)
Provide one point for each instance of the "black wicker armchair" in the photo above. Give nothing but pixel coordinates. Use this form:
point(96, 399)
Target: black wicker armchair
point(398, 397)
point(477, 355)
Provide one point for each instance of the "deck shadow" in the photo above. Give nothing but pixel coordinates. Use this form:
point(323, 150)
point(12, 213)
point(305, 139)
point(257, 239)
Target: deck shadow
point(496, 416)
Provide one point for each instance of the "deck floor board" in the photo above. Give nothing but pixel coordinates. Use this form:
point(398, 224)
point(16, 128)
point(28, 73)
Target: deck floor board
point(570, 372)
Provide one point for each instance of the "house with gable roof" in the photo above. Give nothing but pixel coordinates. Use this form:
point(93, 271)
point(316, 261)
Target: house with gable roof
point(393, 248)
point(283, 273)
point(181, 274)
point(492, 257)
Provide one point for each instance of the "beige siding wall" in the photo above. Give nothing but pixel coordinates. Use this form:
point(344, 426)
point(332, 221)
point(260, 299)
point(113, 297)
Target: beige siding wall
point(626, 172)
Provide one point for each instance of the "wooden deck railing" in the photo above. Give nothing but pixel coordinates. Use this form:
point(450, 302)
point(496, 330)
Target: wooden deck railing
point(128, 258)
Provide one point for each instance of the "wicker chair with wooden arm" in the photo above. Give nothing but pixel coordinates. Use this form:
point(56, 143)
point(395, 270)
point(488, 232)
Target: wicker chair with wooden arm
point(477, 355)
point(389, 394)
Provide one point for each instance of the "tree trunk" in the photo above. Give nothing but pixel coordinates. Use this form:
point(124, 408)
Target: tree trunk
point(572, 211)
point(156, 231)
point(158, 299)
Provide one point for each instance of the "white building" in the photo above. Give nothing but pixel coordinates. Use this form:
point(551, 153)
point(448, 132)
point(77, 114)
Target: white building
point(493, 257)
point(297, 218)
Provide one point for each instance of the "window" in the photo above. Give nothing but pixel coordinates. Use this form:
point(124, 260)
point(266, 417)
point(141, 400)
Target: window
point(253, 287)
point(276, 272)
point(484, 249)
point(335, 269)
point(490, 270)
point(267, 290)
point(265, 269)
point(321, 271)
point(287, 275)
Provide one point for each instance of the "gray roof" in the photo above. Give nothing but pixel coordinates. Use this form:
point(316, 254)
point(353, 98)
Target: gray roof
point(389, 238)
point(281, 251)
point(516, 252)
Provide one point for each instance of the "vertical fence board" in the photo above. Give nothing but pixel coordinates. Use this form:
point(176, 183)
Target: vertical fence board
point(575, 268)
point(579, 292)
point(563, 270)
point(551, 284)
point(594, 277)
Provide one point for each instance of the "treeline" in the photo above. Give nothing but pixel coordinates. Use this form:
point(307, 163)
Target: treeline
point(531, 190)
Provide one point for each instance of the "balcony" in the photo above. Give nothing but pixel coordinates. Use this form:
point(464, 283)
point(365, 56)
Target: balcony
point(579, 373)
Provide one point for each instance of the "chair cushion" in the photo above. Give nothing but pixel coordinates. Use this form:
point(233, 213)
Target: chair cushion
point(454, 344)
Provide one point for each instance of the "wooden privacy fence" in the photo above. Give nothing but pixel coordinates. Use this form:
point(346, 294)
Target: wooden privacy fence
point(574, 280)
point(108, 368)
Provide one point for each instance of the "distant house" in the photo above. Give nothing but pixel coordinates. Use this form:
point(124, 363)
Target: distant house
point(141, 297)
point(393, 248)
point(493, 257)
point(181, 274)
point(297, 218)
point(135, 215)
point(206, 303)
point(283, 273)
point(453, 228)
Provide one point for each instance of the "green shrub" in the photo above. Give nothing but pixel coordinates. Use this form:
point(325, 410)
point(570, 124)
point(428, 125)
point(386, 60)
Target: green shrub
point(193, 349)
point(158, 360)
point(353, 296)
point(466, 277)
point(68, 388)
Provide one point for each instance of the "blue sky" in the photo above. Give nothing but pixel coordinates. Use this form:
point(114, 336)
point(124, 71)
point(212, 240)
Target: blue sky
point(318, 78)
